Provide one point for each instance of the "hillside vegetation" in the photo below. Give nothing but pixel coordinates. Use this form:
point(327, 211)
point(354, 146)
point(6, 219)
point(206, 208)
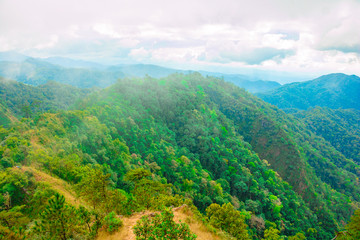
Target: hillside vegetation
point(38, 71)
point(333, 91)
point(341, 127)
point(22, 100)
point(245, 169)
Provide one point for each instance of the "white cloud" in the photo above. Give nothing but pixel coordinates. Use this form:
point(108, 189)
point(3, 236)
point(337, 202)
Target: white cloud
point(107, 30)
point(139, 53)
point(305, 35)
point(49, 44)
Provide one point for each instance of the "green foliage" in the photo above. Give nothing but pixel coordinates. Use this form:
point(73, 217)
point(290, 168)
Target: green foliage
point(24, 100)
point(111, 222)
point(13, 183)
point(334, 91)
point(13, 223)
point(298, 236)
point(340, 127)
point(148, 193)
point(352, 229)
point(162, 227)
point(137, 174)
point(225, 217)
point(271, 234)
point(94, 187)
point(150, 143)
point(57, 220)
point(60, 220)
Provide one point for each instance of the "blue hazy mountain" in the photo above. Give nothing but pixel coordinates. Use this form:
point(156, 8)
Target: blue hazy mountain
point(251, 84)
point(36, 72)
point(334, 91)
point(73, 63)
point(79, 73)
point(12, 56)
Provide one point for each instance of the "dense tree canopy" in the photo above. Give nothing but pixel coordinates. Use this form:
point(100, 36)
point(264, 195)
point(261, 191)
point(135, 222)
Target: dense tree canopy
point(150, 144)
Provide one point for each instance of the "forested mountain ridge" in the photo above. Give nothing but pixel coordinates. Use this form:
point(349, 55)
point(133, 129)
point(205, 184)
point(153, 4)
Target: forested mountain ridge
point(150, 143)
point(328, 106)
point(341, 127)
point(36, 71)
point(333, 91)
point(24, 100)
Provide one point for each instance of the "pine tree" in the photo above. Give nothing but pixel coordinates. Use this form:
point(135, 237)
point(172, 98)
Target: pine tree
point(57, 219)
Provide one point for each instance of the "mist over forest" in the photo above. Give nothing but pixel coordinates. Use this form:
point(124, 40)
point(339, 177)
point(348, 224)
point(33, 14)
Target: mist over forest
point(179, 120)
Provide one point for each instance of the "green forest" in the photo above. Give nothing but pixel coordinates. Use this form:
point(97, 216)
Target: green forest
point(79, 163)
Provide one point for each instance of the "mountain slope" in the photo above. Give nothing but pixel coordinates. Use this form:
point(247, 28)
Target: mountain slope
point(23, 100)
point(88, 74)
point(12, 56)
point(71, 63)
point(341, 127)
point(186, 104)
point(253, 85)
point(153, 143)
point(181, 214)
point(37, 72)
point(332, 91)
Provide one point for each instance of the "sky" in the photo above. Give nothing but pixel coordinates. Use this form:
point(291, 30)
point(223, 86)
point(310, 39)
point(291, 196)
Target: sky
point(308, 36)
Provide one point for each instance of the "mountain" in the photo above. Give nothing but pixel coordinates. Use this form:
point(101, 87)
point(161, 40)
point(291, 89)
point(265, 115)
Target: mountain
point(22, 100)
point(333, 91)
point(252, 85)
point(11, 56)
point(6, 117)
point(328, 106)
point(205, 116)
point(241, 165)
point(86, 74)
point(36, 72)
point(71, 63)
point(140, 70)
point(340, 127)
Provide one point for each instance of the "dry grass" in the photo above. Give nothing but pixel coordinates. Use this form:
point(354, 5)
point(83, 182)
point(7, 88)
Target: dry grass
point(126, 231)
point(57, 184)
point(182, 214)
point(185, 215)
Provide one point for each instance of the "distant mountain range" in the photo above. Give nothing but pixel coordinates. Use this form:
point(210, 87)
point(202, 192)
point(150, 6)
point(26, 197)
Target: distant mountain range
point(205, 139)
point(36, 72)
point(84, 74)
point(334, 91)
point(19, 100)
point(328, 106)
point(340, 127)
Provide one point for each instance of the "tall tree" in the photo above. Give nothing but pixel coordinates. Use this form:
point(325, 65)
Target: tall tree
point(57, 220)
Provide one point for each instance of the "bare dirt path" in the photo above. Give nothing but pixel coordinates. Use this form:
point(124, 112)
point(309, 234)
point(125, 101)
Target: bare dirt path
point(180, 214)
point(126, 232)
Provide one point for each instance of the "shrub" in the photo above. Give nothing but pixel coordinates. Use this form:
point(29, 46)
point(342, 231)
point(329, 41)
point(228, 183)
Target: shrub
point(111, 222)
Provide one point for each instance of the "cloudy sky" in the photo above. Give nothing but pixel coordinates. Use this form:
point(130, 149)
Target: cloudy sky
point(308, 36)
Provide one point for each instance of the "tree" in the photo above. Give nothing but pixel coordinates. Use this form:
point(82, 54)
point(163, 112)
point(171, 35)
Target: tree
point(13, 223)
point(298, 236)
point(228, 219)
point(354, 225)
point(353, 228)
point(94, 187)
point(271, 234)
point(137, 175)
point(162, 227)
point(57, 220)
point(146, 191)
point(111, 222)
